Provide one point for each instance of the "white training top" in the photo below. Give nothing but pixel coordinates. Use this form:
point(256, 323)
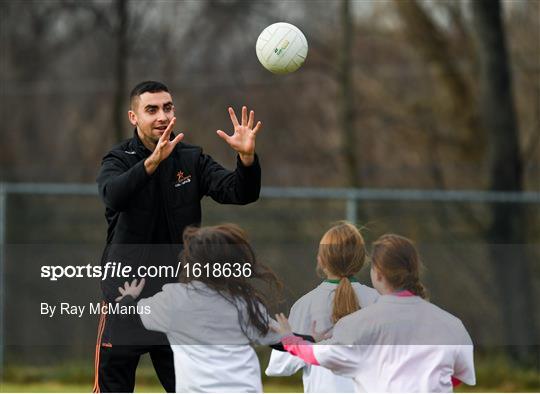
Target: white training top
point(316, 306)
point(211, 352)
point(400, 344)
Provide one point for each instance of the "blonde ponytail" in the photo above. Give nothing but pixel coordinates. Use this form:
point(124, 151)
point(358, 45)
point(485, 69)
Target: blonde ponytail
point(345, 300)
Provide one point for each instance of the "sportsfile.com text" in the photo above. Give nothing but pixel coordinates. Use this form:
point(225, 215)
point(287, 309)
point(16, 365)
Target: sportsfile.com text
point(120, 270)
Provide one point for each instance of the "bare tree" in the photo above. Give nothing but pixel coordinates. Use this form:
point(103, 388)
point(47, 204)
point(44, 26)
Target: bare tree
point(346, 99)
point(36, 37)
point(121, 67)
point(457, 100)
point(508, 224)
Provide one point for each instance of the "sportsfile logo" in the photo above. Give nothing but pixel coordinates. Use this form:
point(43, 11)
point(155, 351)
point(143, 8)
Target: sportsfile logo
point(182, 179)
point(111, 269)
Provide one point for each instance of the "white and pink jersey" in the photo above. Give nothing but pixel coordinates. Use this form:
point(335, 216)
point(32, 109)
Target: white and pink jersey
point(399, 344)
point(210, 337)
point(317, 306)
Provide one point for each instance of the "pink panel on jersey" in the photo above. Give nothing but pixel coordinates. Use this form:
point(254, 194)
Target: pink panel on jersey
point(404, 293)
point(300, 348)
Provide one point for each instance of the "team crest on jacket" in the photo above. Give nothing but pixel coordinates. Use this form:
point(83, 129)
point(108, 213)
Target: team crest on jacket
point(181, 179)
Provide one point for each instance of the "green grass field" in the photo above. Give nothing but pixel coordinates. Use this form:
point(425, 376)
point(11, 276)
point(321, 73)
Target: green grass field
point(55, 387)
point(493, 373)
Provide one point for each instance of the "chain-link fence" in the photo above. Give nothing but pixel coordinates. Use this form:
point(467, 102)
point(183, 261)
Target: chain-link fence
point(63, 224)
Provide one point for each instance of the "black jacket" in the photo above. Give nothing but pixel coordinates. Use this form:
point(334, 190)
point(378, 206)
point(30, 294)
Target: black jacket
point(131, 199)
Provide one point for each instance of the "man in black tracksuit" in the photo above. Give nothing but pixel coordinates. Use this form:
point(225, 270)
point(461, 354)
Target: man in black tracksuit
point(152, 185)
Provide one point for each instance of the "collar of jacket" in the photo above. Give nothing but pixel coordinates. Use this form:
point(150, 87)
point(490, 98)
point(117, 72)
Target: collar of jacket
point(138, 146)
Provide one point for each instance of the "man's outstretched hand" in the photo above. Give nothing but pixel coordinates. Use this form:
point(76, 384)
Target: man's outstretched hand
point(163, 148)
point(243, 139)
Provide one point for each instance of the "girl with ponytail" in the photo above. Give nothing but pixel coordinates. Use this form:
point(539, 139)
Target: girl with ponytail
point(401, 343)
point(396, 266)
point(341, 255)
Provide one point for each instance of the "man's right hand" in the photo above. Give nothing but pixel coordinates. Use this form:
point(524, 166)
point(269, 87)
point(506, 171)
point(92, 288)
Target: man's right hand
point(163, 149)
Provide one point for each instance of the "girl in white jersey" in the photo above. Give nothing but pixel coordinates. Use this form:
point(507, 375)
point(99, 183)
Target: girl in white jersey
point(401, 343)
point(212, 317)
point(341, 255)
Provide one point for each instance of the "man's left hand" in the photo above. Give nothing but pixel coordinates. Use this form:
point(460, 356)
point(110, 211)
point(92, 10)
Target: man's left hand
point(243, 139)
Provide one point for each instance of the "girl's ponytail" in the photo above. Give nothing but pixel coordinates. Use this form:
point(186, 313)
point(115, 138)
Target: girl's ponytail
point(345, 300)
point(417, 288)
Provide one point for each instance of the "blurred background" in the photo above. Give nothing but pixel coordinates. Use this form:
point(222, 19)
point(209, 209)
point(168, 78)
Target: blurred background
point(416, 117)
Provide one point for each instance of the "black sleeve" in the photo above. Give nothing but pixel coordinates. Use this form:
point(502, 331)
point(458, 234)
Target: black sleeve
point(117, 182)
point(279, 346)
point(133, 317)
point(240, 186)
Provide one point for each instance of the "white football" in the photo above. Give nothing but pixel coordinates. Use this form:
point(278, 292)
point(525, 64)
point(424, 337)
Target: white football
point(282, 48)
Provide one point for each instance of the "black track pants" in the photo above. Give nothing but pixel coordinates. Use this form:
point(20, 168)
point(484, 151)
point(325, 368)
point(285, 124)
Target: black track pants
point(118, 350)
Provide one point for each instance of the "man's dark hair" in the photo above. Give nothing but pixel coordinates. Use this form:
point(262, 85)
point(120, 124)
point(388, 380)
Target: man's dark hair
point(147, 86)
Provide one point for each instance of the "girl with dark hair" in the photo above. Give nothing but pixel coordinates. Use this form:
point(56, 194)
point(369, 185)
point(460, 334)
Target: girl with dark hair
point(401, 343)
point(341, 255)
point(213, 314)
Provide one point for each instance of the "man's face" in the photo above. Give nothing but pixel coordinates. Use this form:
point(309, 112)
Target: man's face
point(151, 113)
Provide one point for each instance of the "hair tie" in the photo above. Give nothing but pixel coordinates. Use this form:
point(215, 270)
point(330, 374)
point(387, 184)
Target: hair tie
point(351, 279)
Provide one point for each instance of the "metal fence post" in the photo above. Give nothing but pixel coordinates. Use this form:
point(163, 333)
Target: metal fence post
point(3, 217)
point(351, 208)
